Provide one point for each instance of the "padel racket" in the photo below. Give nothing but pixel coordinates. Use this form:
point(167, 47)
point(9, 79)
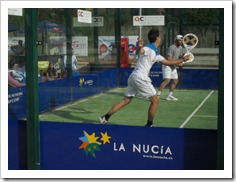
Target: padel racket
point(190, 41)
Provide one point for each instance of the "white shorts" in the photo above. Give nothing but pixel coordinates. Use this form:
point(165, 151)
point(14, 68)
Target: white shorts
point(140, 84)
point(169, 72)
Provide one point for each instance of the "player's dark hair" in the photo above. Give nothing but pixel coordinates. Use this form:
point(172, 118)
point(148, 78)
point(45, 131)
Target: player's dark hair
point(152, 35)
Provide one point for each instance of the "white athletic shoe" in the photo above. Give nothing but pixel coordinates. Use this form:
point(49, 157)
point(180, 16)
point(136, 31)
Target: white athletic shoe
point(171, 98)
point(103, 120)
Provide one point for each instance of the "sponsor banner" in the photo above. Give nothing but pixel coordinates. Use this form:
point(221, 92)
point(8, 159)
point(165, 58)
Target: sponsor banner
point(158, 20)
point(84, 16)
point(13, 41)
point(96, 22)
point(17, 102)
point(106, 45)
point(79, 44)
point(85, 86)
point(15, 97)
point(111, 147)
point(73, 146)
point(15, 11)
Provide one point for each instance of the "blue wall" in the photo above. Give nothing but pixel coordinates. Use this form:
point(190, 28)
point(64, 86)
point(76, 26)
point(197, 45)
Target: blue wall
point(60, 140)
point(191, 78)
point(61, 148)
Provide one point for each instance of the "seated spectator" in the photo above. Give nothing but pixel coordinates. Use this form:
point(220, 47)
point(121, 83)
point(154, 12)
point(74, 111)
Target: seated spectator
point(13, 82)
point(18, 73)
point(52, 72)
point(44, 76)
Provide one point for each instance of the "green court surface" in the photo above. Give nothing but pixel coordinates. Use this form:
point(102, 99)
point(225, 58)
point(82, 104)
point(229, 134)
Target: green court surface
point(194, 109)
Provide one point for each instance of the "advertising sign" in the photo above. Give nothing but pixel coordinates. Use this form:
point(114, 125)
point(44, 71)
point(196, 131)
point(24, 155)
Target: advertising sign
point(13, 41)
point(79, 44)
point(107, 147)
point(84, 16)
point(15, 11)
point(106, 43)
point(96, 22)
point(158, 20)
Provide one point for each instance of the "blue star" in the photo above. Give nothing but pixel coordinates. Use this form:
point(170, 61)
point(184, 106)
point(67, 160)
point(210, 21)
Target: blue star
point(84, 138)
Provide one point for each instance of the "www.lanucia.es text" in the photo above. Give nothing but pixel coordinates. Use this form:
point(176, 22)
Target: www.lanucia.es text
point(158, 157)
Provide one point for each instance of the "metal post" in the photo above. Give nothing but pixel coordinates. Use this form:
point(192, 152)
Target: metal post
point(118, 41)
point(68, 17)
point(220, 127)
point(95, 36)
point(32, 100)
point(181, 16)
point(140, 27)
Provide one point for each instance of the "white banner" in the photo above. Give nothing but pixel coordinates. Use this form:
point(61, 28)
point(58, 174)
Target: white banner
point(149, 20)
point(96, 22)
point(84, 16)
point(15, 11)
point(79, 44)
point(12, 41)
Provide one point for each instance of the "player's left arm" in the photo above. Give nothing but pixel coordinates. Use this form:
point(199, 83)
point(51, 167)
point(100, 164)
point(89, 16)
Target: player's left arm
point(180, 64)
point(181, 56)
point(169, 57)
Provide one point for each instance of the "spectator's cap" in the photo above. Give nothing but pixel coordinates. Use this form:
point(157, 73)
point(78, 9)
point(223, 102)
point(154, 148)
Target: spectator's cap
point(179, 37)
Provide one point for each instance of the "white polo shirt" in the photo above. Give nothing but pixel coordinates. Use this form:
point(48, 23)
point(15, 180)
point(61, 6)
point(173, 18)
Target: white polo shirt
point(146, 61)
point(139, 81)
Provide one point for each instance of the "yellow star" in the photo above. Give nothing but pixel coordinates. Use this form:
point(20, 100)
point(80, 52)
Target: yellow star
point(105, 138)
point(92, 138)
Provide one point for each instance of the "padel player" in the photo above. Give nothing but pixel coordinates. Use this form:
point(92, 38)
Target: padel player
point(139, 81)
point(175, 51)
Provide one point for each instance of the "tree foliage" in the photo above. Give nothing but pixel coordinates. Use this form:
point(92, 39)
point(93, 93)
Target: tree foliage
point(205, 20)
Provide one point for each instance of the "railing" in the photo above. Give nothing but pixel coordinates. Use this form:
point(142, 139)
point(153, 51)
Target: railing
point(204, 58)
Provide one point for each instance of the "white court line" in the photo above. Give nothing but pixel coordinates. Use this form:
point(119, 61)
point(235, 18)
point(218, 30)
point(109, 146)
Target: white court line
point(191, 115)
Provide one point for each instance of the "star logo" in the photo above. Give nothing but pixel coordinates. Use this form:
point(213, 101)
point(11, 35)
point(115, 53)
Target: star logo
point(90, 143)
point(81, 82)
point(105, 138)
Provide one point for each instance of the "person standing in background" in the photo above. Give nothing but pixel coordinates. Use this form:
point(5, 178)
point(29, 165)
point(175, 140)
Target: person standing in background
point(74, 63)
point(175, 51)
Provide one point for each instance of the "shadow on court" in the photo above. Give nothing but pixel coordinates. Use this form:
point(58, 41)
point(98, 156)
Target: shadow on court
point(69, 116)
